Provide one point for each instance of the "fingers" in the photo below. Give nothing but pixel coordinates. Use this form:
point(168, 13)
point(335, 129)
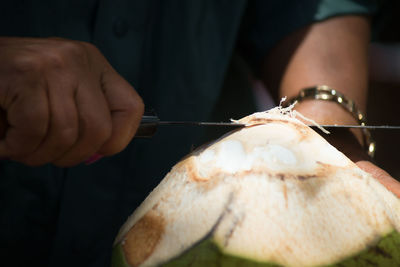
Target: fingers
point(61, 102)
point(383, 177)
point(126, 109)
point(63, 126)
point(95, 125)
point(108, 119)
point(27, 123)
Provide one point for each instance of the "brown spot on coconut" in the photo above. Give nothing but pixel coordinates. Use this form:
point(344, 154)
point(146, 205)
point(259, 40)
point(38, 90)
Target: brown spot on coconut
point(272, 193)
point(143, 238)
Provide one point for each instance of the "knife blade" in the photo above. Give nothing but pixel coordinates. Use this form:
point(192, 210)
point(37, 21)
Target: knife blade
point(150, 122)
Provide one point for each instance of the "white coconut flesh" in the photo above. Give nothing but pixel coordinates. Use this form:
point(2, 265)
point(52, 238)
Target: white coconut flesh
point(274, 192)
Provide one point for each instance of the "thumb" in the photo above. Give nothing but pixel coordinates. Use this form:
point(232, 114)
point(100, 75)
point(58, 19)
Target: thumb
point(126, 108)
point(382, 176)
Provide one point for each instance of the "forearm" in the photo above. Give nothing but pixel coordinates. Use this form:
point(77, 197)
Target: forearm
point(333, 53)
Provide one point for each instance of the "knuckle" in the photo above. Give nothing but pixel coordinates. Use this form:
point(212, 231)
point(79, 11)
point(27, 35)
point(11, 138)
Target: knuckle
point(62, 52)
point(40, 62)
point(72, 48)
point(89, 47)
point(53, 59)
point(57, 53)
point(86, 51)
point(28, 63)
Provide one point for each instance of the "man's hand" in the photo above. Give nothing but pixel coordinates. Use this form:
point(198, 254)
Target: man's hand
point(61, 102)
point(332, 52)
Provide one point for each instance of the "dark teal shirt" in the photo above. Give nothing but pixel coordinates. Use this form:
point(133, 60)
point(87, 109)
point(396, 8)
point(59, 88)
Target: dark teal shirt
point(175, 53)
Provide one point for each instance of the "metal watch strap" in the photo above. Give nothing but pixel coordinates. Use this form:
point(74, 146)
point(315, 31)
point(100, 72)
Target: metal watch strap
point(324, 92)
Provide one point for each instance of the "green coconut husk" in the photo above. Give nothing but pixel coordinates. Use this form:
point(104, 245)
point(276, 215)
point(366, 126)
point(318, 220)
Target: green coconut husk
point(207, 253)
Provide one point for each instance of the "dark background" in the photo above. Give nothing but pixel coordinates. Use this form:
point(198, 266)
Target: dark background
point(384, 98)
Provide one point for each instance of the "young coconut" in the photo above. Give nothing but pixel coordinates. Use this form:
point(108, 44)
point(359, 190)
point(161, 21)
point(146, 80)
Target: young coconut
point(272, 193)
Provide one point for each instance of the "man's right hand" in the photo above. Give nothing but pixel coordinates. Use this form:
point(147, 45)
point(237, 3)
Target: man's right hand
point(61, 102)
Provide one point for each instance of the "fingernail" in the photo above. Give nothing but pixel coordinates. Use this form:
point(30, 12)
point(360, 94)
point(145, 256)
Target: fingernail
point(93, 159)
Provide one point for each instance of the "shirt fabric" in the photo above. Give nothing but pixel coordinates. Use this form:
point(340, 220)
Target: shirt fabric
point(175, 53)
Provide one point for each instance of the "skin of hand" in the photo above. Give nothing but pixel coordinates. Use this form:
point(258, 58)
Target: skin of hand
point(333, 52)
point(61, 102)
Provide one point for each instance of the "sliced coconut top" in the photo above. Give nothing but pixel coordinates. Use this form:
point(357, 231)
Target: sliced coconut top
point(274, 191)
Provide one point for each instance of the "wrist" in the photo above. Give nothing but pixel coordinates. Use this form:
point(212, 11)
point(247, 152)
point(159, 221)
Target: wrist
point(330, 113)
point(328, 106)
point(324, 112)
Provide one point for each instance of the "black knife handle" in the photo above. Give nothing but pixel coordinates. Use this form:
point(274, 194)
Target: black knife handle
point(148, 125)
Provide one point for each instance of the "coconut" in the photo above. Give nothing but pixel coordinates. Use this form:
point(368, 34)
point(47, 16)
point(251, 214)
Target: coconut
point(273, 193)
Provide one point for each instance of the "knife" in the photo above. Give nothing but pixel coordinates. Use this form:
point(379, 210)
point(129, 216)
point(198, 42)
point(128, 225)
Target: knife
point(150, 122)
